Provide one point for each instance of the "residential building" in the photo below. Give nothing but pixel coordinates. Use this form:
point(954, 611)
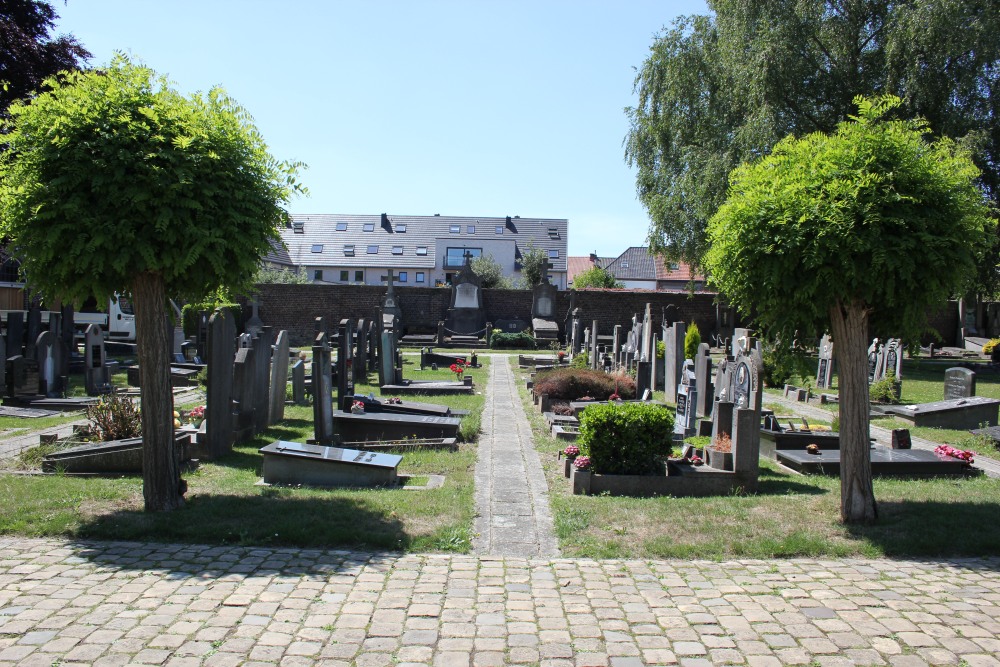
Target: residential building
point(422, 250)
point(636, 268)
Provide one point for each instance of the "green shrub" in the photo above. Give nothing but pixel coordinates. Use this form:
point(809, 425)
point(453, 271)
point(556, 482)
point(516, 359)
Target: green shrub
point(115, 417)
point(884, 391)
point(520, 341)
point(581, 360)
point(990, 345)
point(626, 438)
point(571, 384)
point(782, 364)
point(692, 339)
point(189, 313)
point(661, 349)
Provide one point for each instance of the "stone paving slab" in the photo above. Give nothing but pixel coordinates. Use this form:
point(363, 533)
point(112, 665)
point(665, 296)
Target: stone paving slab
point(78, 603)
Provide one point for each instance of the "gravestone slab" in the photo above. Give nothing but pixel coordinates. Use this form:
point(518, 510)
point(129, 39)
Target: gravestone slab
point(884, 462)
point(15, 332)
point(959, 383)
point(299, 382)
point(45, 359)
point(511, 325)
point(703, 381)
point(322, 390)
point(386, 426)
point(373, 405)
point(345, 361)
point(279, 377)
point(221, 347)
point(959, 414)
point(34, 327)
point(318, 465)
point(824, 370)
point(96, 377)
point(243, 393)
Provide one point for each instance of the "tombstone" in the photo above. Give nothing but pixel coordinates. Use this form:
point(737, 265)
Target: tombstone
point(299, 382)
point(685, 422)
point(15, 373)
point(45, 358)
point(703, 381)
point(647, 336)
point(221, 347)
point(279, 377)
point(387, 358)
point(577, 332)
point(740, 342)
point(15, 332)
point(201, 332)
point(60, 352)
point(68, 331)
point(243, 393)
point(3, 358)
point(96, 377)
point(745, 386)
point(315, 465)
point(262, 378)
point(874, 361)
point(319, 326)
point(345, 362)
point(959, 383)
point(371, 335)
point(642, 374)
point(392, 313)
point(746, 442)
point(592, 350)
point(616, 342)
point(543, 308)
point(722, 419)
point(892, 361)
point(34, 328)
point(254, 325)
point(465, 315)
point(824, 370)
point(322, 390)
point(673, 360)
point(653, 379)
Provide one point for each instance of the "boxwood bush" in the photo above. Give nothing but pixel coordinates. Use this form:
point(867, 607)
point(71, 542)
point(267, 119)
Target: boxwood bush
point(522, 340)
point(572, 384)
point(626, 438)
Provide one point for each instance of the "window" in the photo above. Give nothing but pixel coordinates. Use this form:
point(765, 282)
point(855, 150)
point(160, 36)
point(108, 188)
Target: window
point(455, 229)
point(397, 250)
point(402, 276)
point(373, 250)
point(298, 227)
point(553, 254)
point(499, 229)
point(369, 227)
point(400, 227)
point(455, 257)
point(420, 276)
point(553, 233)
point(318, 274)
point(421, 250)
point(349, 249)
point(471, 229)
point(341, 226)
point(317, 247)
point(674, 266)
point(344, 276)
point(359, 276)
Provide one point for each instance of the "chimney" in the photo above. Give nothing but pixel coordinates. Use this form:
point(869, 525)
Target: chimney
point(593, 258)
point(385, 220)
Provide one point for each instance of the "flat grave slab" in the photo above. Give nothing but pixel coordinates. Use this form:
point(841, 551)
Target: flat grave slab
point(771, 441)
point(317, 465)
point(444, 360)
point(430, 387)
point(565, 432)
point(111, 457)
point(885, 462)
point(403, 445)
point(27, 413)
point(990, 432)
point(959, 414)
point(37, 402)
point(376, 427)
point(408, 407)
point(419, 339)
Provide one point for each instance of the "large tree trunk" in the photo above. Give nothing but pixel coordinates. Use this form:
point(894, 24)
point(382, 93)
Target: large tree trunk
point(850, 332)
point(161, 479)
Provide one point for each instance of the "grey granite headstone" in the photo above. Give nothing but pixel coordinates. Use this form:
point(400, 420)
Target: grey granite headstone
point(279, 377)
point(959, 383)
point(360, 365)
point(703, 381)
point(345, 362)
point(593, 346)
point(673, 360)
point(576, 336)
point(824, 369)
point(34, 327)
point(96, 377)
point(60, 352)
point(243, 393)
point(262, 378)
point(746, 441)
point(45, 359)
point(299, 382)
point(15, 332)
point(219, 396)
point(322, 390)
point(67, 333)
point(254, 324)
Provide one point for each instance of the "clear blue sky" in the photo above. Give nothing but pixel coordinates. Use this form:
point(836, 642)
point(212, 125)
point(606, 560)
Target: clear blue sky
point(458, 108)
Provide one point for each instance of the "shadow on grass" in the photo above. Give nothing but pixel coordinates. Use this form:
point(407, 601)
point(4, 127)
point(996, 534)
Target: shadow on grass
point(777, 484)
point(935, 529)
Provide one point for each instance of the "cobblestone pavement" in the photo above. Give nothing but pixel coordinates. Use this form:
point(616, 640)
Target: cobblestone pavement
point(125, 603)
point(512, 506)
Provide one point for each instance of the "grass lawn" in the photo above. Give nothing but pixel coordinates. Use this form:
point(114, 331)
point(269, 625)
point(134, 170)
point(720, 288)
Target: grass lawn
point(790, 516)
point(226, 506)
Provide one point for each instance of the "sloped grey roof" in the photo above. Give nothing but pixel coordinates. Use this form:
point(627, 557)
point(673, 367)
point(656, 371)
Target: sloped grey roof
point(634, 264)
point(420, 231)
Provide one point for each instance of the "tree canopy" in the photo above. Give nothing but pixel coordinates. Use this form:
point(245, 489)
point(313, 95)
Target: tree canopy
point(723, 89)
point(869, 225)
point(596, 277)
point(28, 54)
point(490, 272)
point(533, 260)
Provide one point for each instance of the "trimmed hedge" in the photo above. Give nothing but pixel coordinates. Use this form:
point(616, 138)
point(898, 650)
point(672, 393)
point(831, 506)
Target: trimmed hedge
point(572, 384)
point(626, 438)
point(512, 341)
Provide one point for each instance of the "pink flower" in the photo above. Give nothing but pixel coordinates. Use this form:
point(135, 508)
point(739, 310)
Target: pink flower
point(582, 463)
point(572, 450)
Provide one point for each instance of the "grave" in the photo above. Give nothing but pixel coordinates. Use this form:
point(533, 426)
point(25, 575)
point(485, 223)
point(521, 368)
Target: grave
point(428, 357)
point(507, 325)
point(221, 348)
point(318, 465)
point(824, 369)
point(279, 378)
point(465, 314)
point(114, 456)
point(543, 308)
point(884, 462)
point(402, 407)
point(673, 359)
point(299, 382)
point(703, 381)
point(243, 394)
point(391, 312)
point(576, 333)
point(391, 379)
point(959, 383)
point(15, 332)
point(412, 444)
point(322, 390)
point(687, 396)
point(777, 439)
point(380, 426)
point(96, 375)
point(960, 414)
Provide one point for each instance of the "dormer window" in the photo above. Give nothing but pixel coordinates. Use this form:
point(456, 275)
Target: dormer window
point(455, 229)
point(298, 227)
point(499, 229)
point(349, 250)
point(553, 233)
point(397, 250)
point(317, 247)
point(471, 229)
point(373, 250)
point(422, 250)
point(341, 226)
point(369, 227)
point(400, 227)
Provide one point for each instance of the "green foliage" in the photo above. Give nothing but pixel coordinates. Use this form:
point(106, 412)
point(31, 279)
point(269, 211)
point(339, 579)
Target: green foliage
point(277, 276)
point(596, 277)
point(884, 390)
point(115, 417)
point(521, 340)
point(661, 349)
point(721, 89)
point(692, 339)
point(190, 311)
point(532, 261)
point(783, 363)
point(490, 272)
point(581, 360)
point(991, 345)
point(874, 216)
point(112, 173)
point(573, 383)
point(626, 438)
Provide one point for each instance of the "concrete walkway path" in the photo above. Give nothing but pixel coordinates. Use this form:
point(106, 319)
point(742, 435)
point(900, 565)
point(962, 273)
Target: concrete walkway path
point(512, 506)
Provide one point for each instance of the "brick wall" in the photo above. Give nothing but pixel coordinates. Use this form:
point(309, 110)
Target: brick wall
point(295, 307)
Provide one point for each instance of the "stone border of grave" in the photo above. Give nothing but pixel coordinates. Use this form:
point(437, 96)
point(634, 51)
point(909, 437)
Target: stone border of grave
point(679, 480)
point(433, 482)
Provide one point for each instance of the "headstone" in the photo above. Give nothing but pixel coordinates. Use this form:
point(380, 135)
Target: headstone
point(243, 393)
point(345, 362)
point(96, 377)
point(262, 378)
point(543, 309)
point(722, 419)
point(592, 351)
point(60, 352)
point(322, 390)
point(372, 335)
point(15, 374)
point(67, 333)
point(824, 370)
point(959, 383)
point(746, 442)
point(466, 315)
point(685, 422)
point(15, 332)
point(360, 365)
point(221, 347)
point(901, 438)
point(316, 465)
point(874, 361)
point(642, 376)
point(893, 360)
point(392, 313)
point(34, 328)
point(254, 325)
point(387, 361)
point(703, 381)
point(673, 360)
point(279, 377)
point(299, 382)
point(616, 342)
point(647, 335)
point(45, 359)
point(577, 332)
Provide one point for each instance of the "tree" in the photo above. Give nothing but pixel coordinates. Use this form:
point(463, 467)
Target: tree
point(868, 226)
point(28, 55)
point(596, 277)
point(281, 276)
point(116, 182)
point(490, 272)
point(533, 261)
point(720, 90)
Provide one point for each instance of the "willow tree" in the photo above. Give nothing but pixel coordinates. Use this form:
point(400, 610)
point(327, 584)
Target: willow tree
point(115, 182)
point(868, 226)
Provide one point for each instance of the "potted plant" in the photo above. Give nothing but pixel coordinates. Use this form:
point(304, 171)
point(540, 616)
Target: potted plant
point(720, 452)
